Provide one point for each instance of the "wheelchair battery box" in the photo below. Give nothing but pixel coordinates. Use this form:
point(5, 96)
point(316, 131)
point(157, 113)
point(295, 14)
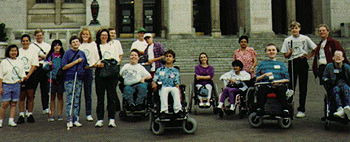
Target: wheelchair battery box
point(273, 107)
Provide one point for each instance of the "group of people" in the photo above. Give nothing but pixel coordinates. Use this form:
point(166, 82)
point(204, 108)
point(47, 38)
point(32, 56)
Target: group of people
point(25, 67)
point(297, 48)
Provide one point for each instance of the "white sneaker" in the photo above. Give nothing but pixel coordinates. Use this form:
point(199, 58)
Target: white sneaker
point(207, 104)
point(347, 111)
point(0, 124)
point(26, 113)
point(112, 123)
point(77, 124)
point(201, 104)
point(300, 114)
point(339, 113)
point(99, 123)
point(233, 106)
point(89, 118)
point(70, 124)
point(46, 111)
point(220, 105)
point(12, 124)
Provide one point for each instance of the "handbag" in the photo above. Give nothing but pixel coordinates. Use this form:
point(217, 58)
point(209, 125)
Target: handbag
point(203, 92)
point(234, 85)
point(110, 69)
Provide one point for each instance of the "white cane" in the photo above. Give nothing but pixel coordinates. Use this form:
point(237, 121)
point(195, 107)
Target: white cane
point(49, 112)
point(72, 105)
point(291, 45)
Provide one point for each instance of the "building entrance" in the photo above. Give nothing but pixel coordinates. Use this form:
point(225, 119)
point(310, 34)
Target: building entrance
point(202, 16)
point(228, 17)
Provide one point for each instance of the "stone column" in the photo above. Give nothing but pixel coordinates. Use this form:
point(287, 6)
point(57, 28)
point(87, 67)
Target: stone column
point(179, 26)
point(138, 16)
point(215, 18)
point(291, 13)
point(259, 18)
point(58, 6)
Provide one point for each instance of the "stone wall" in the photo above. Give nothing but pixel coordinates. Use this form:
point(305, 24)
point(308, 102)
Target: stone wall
point(13, 13)
point(340, 11)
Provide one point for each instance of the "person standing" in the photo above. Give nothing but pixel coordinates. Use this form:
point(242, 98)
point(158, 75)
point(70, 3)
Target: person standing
point(140, 44)
point(29, 57)
point(246, 55)
point(88, 46)
point(295, 49)
point(103, 84)
point(43, 50)
point(116, 44)
point(153, 53)
point(73, 62)
point(11, 75)
point(325, 51)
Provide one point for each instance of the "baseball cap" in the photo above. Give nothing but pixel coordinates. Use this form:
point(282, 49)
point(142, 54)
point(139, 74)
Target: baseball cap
point(141, 30)
point(147, 35)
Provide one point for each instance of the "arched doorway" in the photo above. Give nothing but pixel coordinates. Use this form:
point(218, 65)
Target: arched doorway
point(202, 16)
point(228, 17)
point(304, 15)
point(279, 17)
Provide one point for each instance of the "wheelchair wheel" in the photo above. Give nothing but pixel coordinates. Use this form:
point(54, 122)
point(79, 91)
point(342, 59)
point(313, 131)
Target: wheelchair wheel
point(285, 123)
point(326, 124)
point(190, 99)
point(157, 127)
point(151, 119)
point(249, 99)
point(122, 115)
point(221, 113)
point(254, 120)
point(215, 99)
point(189, 126)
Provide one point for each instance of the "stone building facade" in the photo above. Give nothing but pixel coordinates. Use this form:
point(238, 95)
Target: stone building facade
point(179, 18)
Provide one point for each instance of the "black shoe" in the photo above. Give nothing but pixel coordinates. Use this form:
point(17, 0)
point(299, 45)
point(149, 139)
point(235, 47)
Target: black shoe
point(20, 120)
point(180, 114)
point(162, 115)
point(30, 119)
point(139, 107)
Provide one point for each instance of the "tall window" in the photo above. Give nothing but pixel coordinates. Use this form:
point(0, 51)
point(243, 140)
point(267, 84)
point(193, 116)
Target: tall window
point(73, 1)
point(44, 1)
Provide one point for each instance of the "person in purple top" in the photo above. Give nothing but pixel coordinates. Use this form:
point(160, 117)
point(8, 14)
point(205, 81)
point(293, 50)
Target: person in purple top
point(74, 61)
point(203, 75)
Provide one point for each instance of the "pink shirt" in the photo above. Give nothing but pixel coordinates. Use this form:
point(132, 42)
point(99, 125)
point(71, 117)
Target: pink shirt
point(247, 58)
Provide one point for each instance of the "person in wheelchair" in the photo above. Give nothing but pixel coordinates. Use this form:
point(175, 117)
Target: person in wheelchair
point(233, 80)
point(170, 79)
point(275, 71)
point(203, 75)
point(135, 76)
point(336, 77)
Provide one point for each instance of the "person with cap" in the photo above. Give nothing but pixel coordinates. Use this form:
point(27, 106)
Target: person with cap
point(140, 44)
point(154, 53)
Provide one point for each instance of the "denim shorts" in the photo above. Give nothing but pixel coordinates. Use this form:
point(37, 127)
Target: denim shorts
point(11, 92)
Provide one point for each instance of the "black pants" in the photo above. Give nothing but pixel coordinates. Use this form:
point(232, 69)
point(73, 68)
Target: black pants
point(300, 70)
point(109, 84)
point(42, 80)
point(279, 90)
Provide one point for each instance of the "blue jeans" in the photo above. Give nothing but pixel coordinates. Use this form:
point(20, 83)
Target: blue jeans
point(129, 91)
point(87, 91)
point(337, 90)
point(68, 86)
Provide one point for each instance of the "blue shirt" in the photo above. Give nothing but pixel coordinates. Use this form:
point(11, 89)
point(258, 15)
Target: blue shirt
point(168, 76)
point(70, 73)
point(278, 69)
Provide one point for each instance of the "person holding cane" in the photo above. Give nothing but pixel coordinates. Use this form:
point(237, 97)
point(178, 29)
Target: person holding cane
point(73, 62)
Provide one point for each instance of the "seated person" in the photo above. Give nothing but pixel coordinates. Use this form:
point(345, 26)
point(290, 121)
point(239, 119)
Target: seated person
point(134, 76)
point(233, 80)
point(170, 78)
point(203, 75)
point(337, 74)
point(276, 71)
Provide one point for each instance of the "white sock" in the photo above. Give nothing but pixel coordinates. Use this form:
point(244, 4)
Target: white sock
point(111, 120)
point(11, 120)
point(21, 114)
point(0, 120)
point(30, 113)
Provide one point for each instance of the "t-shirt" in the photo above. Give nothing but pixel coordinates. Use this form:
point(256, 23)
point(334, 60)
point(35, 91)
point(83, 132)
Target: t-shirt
point(277, 68)
point(322, 60)
point(118, 46)
point(300, 45)
point(139, 45)
point(151, 56)
point(132, 74)
point(29, 57)
point(11, 70)
point(204, 71)
point(168, 76)
point(242, 76)
point(109, 51)
point(91, 52)
point(44, 46)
